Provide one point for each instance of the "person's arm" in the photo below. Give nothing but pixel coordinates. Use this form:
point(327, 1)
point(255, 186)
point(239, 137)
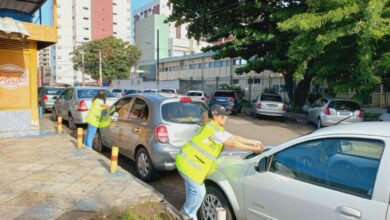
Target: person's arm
point(244, 140)
point(234, 143)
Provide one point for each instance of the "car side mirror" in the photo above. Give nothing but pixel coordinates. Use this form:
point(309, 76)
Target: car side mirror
point(115, 116)
point(261, 166)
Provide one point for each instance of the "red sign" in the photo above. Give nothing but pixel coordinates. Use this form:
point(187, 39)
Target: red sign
point(12, 76)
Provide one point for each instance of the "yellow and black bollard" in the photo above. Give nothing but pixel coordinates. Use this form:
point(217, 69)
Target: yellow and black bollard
point(114, 159)
point(59, 125)
point(79, 138)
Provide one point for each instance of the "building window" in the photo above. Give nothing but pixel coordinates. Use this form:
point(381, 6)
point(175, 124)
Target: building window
point(85, 18)
point(115, 23)
point(85, 8)
point(114, 13)
point(115, 33)
point(113, 3)
point(85, 28)
point(217, 64)
point(86, 38)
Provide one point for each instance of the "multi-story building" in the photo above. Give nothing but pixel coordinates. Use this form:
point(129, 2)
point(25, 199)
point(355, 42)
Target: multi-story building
point(173, 40)
point(81, 21)
point(44, 70)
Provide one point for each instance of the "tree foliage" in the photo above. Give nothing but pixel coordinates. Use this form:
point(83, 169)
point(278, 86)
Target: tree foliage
point(345, 42)
point(118, 57)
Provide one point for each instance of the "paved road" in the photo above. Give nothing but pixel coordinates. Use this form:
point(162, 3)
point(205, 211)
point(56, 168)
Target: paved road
point(270, 131)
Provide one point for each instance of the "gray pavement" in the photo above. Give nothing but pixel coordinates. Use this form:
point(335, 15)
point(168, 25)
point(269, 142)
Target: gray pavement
point(46, 177)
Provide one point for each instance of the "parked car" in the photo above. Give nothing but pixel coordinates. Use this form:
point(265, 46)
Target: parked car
point(339, 172)
point(73, 104)
point(269, 104)
point(151, 129)
point(171, 91)
point(150, 91)
point(121, 92)
point(228, 99)
point(330, 111)
point(132, 91)
point(198, 94)
point(46, 94)
point(385, 116)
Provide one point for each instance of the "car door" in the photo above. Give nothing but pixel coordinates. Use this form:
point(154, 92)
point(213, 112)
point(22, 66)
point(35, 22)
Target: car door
point(131, 128)
point(319, 179)
point(110, 134)
point(66, 103)
point(59, 104)
point(315, 110)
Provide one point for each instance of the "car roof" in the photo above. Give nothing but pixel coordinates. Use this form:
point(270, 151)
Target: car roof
point(224, 90)
point(88, 87)
point(362, 128)
point(195, 91)
point(157, 97)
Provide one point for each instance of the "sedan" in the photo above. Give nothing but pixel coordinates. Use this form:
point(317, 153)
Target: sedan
point(269, 104)
point(339, 172)
point(385, 116)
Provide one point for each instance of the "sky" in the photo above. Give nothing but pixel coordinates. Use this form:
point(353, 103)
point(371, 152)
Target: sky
point(47, 11)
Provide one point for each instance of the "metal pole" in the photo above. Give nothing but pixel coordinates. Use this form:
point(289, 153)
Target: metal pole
point(82, 63)
point(158, 61)
point(100, 69)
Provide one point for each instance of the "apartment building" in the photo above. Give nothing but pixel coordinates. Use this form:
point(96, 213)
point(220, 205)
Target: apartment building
point(81, 21)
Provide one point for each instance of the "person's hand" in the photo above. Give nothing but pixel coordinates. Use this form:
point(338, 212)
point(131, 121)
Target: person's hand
point(259, 147)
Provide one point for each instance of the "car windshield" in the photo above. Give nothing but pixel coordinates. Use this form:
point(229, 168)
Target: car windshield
point(183, 112)
point(194, 94)
point(90, 93)
point(54, 91)
point(168, 90)
point(344, 105)
point(224, 94)
point(117, 90)
point(274, 98)
point(131, 91)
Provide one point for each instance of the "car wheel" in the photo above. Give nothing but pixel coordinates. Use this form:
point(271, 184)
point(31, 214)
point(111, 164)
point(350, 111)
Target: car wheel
point(214, 199)
point(97, 143)
point(72, 125)
point(53, 115)
point(283, 119)
point(144, 166)
point(319, 123)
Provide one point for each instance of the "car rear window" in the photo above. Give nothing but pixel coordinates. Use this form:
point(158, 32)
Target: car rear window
point(117, 90)
point(224, 94)
point(194, 94)
point(54, 91)
point(344, 105)
point(183, 112)
point(168, 90)
point(90, 93)
point(274, 98)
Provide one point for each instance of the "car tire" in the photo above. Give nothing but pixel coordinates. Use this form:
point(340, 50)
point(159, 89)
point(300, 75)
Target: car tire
point(71, 124)
point(97, 143)
point(213, 199)
point(282, 118)
point(144, 166)
point(53, 116)
point(319, 123)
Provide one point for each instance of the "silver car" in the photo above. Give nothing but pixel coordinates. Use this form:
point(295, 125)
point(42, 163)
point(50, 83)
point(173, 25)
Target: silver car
point(269, 104)
point(328, 111)
point(340, 172)
point(46, 94)
point(385, 116)
point(74, 103)
point(150, 129)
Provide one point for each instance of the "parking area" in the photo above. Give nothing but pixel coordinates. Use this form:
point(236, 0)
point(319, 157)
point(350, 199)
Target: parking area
point(270, 131)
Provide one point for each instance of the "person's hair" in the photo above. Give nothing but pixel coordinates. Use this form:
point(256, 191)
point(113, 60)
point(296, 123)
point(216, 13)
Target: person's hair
point(101, 95)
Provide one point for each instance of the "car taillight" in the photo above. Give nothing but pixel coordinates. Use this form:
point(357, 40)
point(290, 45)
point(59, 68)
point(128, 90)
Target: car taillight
point(162, 134)
point(82, 107)
point(258, 105)
point(185, 99)
point(327, 111)
point(284, 107)
point(212, 97)
point(202, 98)
point(122, 94)
point(45, 98)
point(231, 98)
point(360, 113)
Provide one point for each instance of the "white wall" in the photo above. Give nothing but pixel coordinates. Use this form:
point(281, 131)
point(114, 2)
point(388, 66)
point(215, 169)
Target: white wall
point(122, 28)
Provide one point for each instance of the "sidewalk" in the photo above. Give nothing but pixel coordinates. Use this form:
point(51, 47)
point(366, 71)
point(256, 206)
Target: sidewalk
point(46, 177)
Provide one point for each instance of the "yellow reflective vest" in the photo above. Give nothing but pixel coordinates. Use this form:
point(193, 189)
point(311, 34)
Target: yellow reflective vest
point(95, 117)
point(198, 156)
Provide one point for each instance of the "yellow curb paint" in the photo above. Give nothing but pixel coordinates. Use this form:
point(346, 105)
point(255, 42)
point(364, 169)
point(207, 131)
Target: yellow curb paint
point(114, 159)
point(79, 138)
point(59, 125)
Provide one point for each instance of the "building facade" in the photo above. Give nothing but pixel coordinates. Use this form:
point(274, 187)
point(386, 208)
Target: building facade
point(82, 21)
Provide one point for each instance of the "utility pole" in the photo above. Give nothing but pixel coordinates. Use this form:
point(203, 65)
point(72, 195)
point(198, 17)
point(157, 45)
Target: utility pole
point(158, 61)
point(100, 69)
point(82, 63)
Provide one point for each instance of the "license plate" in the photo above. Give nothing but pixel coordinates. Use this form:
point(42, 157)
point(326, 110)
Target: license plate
point(220, 100)
point(344, 113)
point(272, 105)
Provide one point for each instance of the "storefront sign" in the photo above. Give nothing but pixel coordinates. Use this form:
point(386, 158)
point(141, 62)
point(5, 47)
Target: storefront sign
point(12, 76)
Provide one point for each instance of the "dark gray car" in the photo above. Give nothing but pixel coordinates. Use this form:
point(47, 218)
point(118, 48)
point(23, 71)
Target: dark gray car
point(46, 94)
point(150, 129)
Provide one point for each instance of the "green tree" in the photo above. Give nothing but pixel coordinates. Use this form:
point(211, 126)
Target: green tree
point(344, 42)
point(253, 25)
point(118, 57)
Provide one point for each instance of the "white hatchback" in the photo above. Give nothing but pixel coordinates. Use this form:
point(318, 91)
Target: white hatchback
point(340, 172)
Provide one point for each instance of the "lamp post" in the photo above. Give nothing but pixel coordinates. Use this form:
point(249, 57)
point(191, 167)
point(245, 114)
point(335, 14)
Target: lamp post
point(158, 59)
point(82, 67)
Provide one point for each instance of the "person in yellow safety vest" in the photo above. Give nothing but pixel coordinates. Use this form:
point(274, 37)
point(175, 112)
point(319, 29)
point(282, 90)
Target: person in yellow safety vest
point(197, 157)
point(95, 119)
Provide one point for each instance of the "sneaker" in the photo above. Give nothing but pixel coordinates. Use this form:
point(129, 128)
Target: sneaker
point(184, 215)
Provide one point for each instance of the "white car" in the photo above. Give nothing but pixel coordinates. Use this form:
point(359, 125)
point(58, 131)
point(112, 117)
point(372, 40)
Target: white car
point(198, 94)
point(340, 172)
point(385, 116)
point(269, 104)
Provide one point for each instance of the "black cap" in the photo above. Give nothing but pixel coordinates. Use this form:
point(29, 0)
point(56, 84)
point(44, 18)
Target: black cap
point(217, 110)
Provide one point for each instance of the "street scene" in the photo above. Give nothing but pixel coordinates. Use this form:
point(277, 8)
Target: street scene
point(209, 110)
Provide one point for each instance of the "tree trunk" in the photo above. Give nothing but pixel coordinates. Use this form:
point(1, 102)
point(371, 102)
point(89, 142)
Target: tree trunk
point(302, 90)
point(289, 82)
